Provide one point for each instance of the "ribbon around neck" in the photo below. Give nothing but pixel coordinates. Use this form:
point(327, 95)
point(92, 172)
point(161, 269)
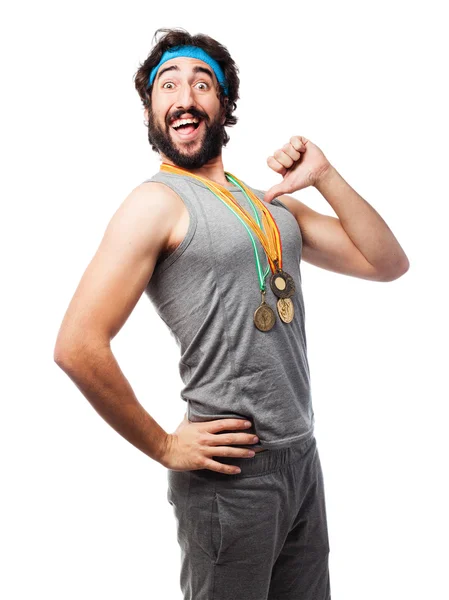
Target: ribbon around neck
point(269, 236)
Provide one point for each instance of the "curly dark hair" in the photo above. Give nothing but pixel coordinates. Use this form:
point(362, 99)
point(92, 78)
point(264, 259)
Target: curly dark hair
point(180, 37)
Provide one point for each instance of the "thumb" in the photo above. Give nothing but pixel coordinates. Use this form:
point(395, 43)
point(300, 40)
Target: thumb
point(273, 192)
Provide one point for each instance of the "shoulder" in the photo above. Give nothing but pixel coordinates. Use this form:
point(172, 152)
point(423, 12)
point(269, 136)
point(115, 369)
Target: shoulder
point(151, 200)
point(153, 193)
point(147, 216)
point(299, 210)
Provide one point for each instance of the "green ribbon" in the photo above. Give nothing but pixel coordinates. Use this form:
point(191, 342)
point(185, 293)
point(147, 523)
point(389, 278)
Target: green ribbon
point(261, 276)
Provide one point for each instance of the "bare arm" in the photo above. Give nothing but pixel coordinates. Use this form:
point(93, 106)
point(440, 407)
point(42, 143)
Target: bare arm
point(358, 243)
point(107, 293)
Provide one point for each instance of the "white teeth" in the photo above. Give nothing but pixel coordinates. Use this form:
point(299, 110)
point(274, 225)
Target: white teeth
point(179, 122)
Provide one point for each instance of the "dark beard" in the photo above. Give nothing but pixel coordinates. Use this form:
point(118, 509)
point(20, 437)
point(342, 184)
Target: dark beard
point(211, 145)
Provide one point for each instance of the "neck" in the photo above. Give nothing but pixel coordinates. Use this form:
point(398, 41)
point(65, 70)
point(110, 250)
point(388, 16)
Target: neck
point(212, 170)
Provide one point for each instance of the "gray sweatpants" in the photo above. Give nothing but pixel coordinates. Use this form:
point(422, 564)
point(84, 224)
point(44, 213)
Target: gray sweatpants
point(258, 535)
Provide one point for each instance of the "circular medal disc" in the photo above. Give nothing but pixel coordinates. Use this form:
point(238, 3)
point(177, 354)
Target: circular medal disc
point(285, 309)
point(282, 284)
point(264, 317)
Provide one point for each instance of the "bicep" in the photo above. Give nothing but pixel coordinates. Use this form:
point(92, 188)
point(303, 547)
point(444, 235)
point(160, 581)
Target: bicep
point(326, 244)
point(120, 270)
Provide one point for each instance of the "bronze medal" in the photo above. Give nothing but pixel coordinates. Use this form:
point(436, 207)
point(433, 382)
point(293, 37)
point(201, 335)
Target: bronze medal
point(282, 284)
point(266, 229)
point(285, 309)
point(264, 316)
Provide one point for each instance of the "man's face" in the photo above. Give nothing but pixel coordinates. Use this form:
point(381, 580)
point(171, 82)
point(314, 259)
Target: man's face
point(186, 88)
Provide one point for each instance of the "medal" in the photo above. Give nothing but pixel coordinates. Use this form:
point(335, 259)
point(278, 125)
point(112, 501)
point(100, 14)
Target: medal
point(285, 309)
point(264, 317)
point(281, 283)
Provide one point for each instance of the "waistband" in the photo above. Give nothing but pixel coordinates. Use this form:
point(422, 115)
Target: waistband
point(263, 462)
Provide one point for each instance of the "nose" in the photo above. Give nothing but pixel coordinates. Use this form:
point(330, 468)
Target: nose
point(186, 97)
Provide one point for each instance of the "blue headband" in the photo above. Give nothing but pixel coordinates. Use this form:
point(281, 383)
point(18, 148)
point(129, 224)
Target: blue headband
point(191, 52)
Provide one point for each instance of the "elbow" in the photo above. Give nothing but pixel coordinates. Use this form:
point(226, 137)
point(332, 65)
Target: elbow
point(64, 355)
point(72, 351)
point(397, 272)
point(59, 353)
point(69, 352)
point(65, 348)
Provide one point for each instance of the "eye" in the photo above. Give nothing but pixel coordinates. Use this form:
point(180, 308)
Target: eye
point(167, 83)
point(203, 83)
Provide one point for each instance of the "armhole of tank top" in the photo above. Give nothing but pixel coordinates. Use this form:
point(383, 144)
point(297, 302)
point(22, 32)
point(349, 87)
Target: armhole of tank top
point(261, 194)
point(170, 259)
point(280, 203)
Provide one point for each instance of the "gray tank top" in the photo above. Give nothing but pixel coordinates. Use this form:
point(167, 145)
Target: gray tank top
point(206, 292)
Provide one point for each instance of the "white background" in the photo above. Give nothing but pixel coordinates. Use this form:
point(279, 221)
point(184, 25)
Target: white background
point(84, 513)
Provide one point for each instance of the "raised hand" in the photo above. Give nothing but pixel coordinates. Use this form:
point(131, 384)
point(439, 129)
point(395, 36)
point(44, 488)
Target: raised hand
point(300, 163)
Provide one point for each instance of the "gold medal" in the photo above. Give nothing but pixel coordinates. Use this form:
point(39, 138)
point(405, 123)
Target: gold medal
point(266, 229)
point(285, 309)
point(264, 316)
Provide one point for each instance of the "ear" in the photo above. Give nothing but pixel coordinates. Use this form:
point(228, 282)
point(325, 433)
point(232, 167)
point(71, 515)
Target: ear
point(145, 112)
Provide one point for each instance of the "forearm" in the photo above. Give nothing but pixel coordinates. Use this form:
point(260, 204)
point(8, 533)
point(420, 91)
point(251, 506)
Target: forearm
point(366, 228)
point(96, 373)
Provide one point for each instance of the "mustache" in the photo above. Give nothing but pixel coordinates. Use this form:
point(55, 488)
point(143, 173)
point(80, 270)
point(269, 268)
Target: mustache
point(192, 111)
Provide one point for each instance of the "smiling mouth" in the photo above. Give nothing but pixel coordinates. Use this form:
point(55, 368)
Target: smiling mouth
point(187, 131)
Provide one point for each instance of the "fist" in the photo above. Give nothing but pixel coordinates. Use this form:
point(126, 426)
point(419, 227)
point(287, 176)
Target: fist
point(300, 163)
point(290, 153)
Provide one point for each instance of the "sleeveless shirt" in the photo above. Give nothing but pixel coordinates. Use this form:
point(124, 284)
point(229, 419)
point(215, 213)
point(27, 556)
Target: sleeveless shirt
point(206, 292)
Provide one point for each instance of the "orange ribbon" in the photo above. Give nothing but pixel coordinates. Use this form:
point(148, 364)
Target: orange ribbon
point(270, 238)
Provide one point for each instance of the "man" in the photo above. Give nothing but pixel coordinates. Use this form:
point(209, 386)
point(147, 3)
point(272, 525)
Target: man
point(201, 243)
